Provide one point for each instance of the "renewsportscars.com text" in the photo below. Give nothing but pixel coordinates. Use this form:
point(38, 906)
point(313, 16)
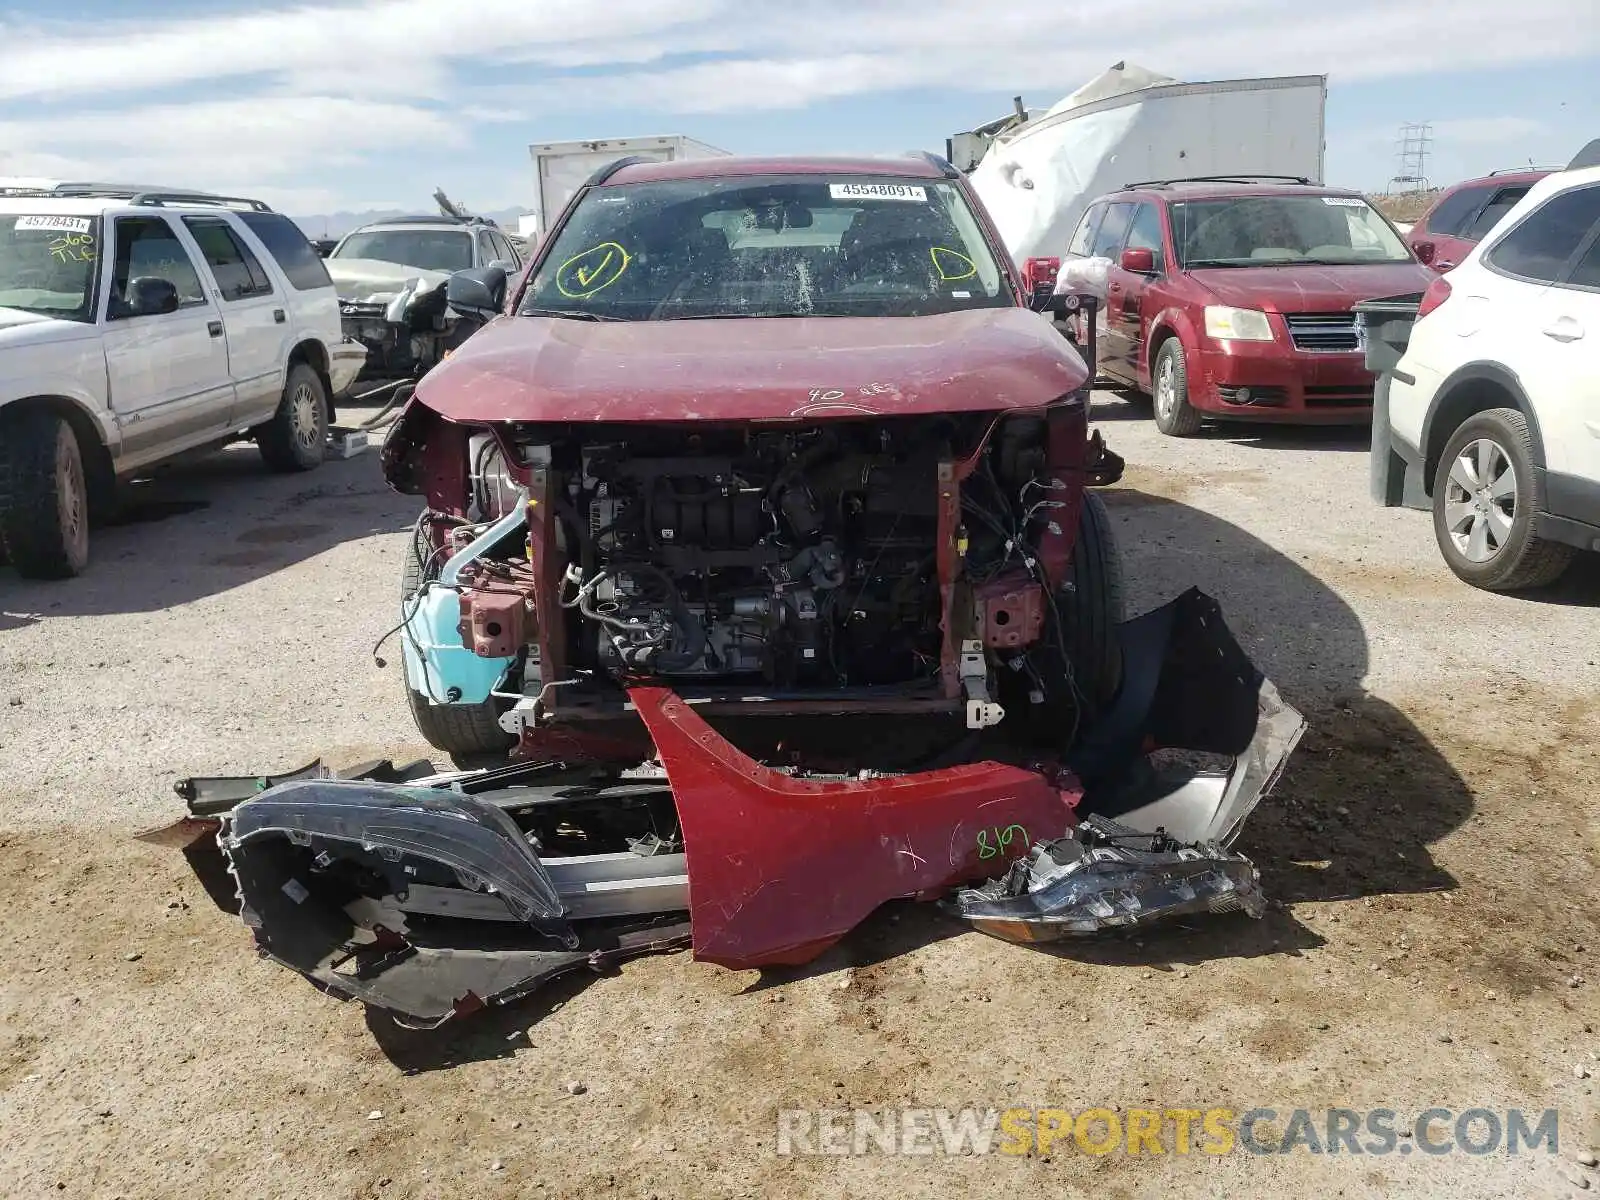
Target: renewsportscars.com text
point(1215, 1131)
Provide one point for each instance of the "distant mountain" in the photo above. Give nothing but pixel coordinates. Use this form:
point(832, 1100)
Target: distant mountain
point(340, 223)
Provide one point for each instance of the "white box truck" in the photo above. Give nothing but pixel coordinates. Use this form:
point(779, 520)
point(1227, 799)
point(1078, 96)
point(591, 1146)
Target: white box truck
point(1037, 172)
point(559, 168)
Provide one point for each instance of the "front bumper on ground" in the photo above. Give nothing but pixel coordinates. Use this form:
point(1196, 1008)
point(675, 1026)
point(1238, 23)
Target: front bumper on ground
point(345, 361)
point(1268, 381)
point(422, 896)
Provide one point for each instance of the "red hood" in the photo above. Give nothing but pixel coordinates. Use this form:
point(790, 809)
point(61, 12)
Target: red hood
point(555, 369)
point(1311, 289)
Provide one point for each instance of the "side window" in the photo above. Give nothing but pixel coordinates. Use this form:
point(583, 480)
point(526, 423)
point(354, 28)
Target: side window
point(1451, 215)
point(294, 253)
point(1145, 232)
point(1542, 242)
point(1504, 201)
point(1108, 238)
point(147, 247)
point(504, 247)
point(1586, 272)
point(237, 271)
point(1083, 237)
point(487, 251)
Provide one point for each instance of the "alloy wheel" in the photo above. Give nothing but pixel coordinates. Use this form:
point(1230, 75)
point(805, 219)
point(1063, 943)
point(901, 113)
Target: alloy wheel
point(303, 416)
point(1480, 502)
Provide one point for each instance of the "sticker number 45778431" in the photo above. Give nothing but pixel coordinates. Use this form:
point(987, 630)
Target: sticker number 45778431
point(878, 191)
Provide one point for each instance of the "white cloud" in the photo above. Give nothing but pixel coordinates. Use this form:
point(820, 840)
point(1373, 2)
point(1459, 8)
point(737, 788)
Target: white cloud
point(310, 87)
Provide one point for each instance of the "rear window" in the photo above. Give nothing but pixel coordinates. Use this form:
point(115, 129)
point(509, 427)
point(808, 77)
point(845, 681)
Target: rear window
point(1449, 218)
point(1543, 241)
point(238, 274)
point(286, 243)
point(1504, 201)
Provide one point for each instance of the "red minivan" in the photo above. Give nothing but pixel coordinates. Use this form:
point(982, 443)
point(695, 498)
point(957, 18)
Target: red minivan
point(1232, 298)
point(1461, 215)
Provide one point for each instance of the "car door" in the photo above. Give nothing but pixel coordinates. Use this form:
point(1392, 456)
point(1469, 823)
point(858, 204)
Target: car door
point(1551, 339)
point(168, 372)
point(1126, 317)
point(1113, 351)
point(310, 297)
point(1573, 323)
point(254, 318)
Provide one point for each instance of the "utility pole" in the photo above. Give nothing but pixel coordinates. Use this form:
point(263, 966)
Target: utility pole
point(1412, 154)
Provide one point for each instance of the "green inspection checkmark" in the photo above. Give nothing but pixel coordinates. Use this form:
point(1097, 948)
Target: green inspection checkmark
point(587, 277)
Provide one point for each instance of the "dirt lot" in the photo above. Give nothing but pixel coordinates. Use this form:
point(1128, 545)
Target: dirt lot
point(1433, 852)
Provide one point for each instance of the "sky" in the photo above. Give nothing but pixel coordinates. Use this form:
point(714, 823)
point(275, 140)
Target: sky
point(319, 107)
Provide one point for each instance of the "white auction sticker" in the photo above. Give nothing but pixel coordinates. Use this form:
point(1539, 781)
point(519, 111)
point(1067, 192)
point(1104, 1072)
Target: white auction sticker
point(1344, 201)
point(57, 224)
point(878, 191)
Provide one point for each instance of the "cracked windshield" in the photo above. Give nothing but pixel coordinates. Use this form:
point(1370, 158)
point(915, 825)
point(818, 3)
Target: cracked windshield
point(769, 246)
point(47, 264)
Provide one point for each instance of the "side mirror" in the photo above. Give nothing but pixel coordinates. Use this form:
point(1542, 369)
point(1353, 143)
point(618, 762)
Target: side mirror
point(149, 296)
point(478, 294)
point(1139, 260)
point(1425, 252)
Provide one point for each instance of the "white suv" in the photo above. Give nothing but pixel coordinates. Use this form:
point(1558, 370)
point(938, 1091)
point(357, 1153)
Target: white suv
point(137, 325)
point(1496, 401)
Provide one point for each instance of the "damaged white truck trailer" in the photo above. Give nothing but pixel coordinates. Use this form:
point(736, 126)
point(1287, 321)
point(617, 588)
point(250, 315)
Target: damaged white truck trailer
point(1037, 172)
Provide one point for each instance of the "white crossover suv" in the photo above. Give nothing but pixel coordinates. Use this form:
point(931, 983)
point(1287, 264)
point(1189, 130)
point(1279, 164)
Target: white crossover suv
point(138, 324)
point(1496, 401)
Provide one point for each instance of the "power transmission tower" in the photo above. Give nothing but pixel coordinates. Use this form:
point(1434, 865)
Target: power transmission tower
point(1412, 153)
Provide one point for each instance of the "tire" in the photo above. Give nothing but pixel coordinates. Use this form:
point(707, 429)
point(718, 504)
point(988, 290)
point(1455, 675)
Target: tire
point(44, 496)
point(1091, 609)
point(296, 439)
point(1169, 389)
point(1486, 533)
point(459, 730)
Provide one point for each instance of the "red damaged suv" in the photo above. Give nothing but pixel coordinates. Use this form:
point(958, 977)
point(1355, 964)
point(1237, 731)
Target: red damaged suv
point(760, 546)
point(1231, 298)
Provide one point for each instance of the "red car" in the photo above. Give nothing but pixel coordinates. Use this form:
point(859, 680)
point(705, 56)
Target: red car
point(1461, 215)
point(1232, 298)
point(761, 548)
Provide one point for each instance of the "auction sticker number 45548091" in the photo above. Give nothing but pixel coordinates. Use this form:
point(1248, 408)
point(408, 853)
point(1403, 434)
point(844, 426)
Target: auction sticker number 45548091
point(878, 191)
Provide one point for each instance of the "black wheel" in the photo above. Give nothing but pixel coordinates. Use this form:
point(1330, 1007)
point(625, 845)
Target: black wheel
point(296, 439)
point(44, 495)
point(1169, 387)
point(457, 729)
point(1486, 499)
point(1091, 607)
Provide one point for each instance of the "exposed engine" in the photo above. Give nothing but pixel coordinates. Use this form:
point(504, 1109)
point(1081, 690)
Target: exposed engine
point(800, 559)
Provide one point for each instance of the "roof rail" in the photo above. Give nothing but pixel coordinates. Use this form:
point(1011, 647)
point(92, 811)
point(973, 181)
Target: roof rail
point(135, 195)
point(418, 219)
point(1519, 171)
point(1251, 178)
point(944, 165)
point(158, 199)
point(1589, 156)
point(611, 168)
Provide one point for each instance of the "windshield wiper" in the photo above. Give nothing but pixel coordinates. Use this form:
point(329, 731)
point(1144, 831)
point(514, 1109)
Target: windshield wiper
point(570, 314)
point(1209, 263)
point(746, 316)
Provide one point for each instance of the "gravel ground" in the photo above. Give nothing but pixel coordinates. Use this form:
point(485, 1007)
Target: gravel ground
point(1433, 851)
